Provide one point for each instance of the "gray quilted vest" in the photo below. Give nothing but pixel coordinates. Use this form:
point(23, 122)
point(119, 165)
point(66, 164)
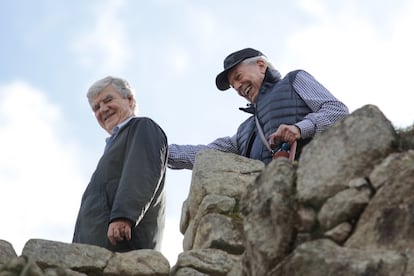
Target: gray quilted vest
point(276, 104)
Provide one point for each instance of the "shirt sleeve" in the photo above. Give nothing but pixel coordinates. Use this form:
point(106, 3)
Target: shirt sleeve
point(183, 156)
point(326, 109)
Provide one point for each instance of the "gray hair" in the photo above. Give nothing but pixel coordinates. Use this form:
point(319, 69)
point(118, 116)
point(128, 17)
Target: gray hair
point(269, 64)
point(120, 85)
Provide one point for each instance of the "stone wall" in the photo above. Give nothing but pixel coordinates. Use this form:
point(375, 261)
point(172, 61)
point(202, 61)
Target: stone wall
point(346, 208)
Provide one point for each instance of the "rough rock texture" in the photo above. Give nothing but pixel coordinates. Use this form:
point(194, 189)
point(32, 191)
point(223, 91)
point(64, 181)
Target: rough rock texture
point(268, 210)
point(6, 252)
point(388, 221)
point(44, 257)
point(324, 257)
point(345, 208)
point(349, 150)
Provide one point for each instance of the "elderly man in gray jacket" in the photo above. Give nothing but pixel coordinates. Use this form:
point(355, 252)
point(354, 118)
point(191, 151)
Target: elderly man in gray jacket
point(122, 208)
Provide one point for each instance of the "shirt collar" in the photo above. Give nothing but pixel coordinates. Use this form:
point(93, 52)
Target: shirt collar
point(116, 129)
point(122, 124)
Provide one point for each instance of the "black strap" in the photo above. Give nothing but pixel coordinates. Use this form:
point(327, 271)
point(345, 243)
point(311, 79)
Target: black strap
point(262, 137)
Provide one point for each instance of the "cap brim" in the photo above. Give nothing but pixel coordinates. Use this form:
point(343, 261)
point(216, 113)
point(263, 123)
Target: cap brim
point(222, 82)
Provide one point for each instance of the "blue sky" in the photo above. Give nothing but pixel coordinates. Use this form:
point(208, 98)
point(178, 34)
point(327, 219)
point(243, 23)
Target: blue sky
point(171, 52)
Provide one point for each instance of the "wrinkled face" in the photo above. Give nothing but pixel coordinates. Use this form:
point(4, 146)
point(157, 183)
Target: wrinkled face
point(247, 79)
point(111, 109)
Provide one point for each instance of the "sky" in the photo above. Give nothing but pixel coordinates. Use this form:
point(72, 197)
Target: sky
point(170, 52)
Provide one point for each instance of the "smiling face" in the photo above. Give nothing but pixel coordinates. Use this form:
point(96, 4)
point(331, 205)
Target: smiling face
point(111, 109)
point(247, 78)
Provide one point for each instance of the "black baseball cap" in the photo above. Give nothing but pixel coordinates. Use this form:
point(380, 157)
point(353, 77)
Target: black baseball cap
point(232, 60)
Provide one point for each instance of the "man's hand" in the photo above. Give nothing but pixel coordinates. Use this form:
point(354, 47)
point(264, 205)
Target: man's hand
point(119, 230)
point(285, 133)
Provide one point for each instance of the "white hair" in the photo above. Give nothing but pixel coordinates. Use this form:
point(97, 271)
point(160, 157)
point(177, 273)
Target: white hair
point(120, 85)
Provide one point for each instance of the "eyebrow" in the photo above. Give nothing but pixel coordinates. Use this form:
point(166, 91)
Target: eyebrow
point(109, 96)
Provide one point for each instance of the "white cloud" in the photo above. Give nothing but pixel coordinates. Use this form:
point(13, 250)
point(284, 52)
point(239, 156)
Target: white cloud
point(177, 61)
point(359, 63)
point(314, 7)
point(41, 188)
point(104, 46)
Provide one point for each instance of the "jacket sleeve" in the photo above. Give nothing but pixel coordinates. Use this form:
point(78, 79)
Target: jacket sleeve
point(143, 170)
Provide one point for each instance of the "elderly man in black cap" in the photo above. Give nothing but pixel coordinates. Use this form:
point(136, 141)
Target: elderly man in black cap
point(292, 109)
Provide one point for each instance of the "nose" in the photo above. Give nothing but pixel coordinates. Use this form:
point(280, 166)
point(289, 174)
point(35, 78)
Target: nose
point(237, 86)
point(101, 109)
point(240, 90)
point(103, 106)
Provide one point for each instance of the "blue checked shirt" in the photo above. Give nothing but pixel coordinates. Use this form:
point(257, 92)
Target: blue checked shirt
point(326, 110)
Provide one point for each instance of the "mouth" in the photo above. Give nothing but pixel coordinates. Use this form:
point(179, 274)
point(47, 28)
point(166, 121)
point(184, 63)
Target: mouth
point(247, 91)
point(107, 116)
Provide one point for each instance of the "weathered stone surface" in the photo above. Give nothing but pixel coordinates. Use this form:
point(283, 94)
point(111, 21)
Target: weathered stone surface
point(388, 220)
point(346, 205)
point(324, 257)
point(269, 217)
point(188, 271)
point(227, 237)
point(82, 259)
point(358, 183)
point(307, 219)
point(211, 204)
point(396, 163)
point(62, 272)
point(23, 265)
point(347, 150)
point(20, 266)
point(79, 257)
point(208, 178)
point(6, 252)
point(409, 254)
point(208, 261)
point(339, 233)
point(189, 234)
point(138, 262)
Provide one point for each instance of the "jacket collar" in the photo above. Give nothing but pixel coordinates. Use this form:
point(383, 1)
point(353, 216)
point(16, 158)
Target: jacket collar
point(271, 77)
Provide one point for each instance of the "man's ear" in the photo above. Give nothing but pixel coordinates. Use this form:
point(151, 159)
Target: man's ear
point(131, 101)
point(262, 65)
